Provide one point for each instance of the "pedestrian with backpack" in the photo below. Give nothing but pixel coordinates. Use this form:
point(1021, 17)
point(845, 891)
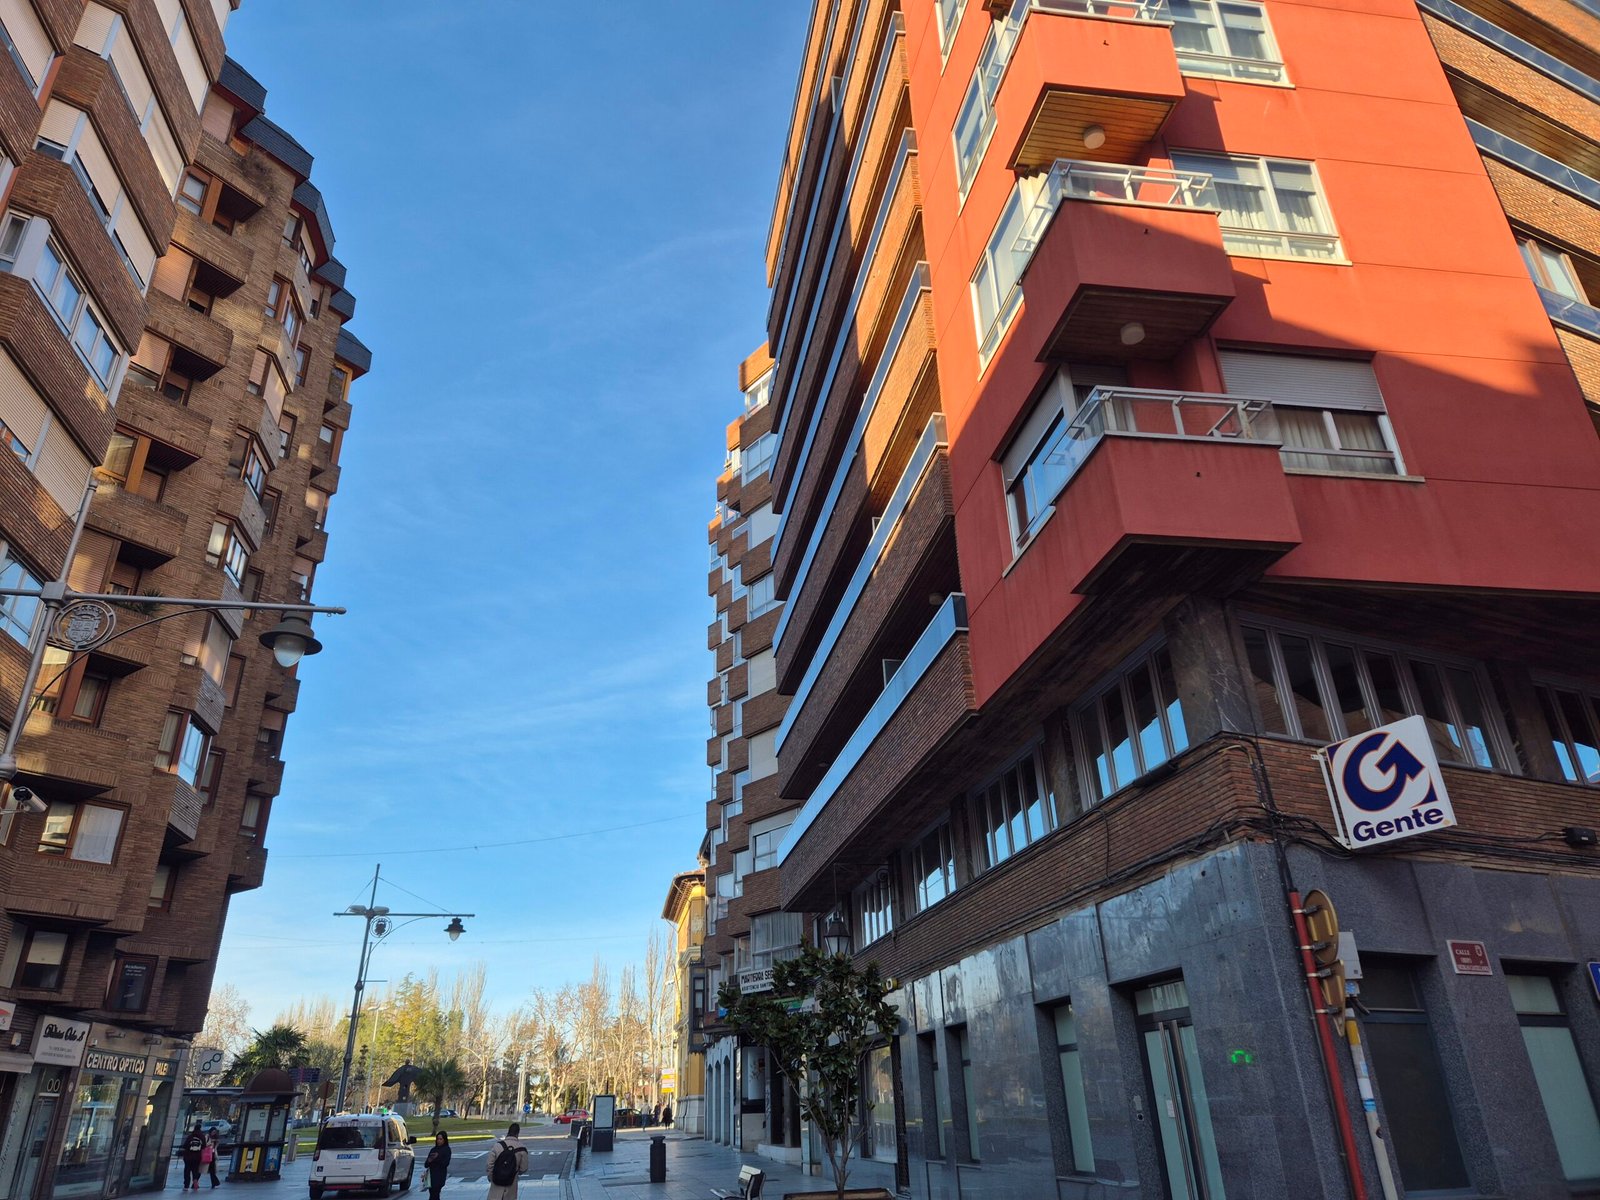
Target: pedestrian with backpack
point(190, 1152)
point(508, 1159)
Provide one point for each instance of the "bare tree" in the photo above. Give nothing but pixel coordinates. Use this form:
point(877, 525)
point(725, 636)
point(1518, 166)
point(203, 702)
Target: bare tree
point(227, 1028)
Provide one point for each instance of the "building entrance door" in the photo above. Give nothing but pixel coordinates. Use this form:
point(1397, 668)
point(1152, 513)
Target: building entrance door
point(38, 1135)
point(1183, 1112)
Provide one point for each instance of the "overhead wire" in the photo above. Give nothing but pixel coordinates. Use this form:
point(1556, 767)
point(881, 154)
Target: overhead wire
point(495, 845)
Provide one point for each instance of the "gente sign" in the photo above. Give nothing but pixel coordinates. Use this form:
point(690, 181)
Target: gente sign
point(1385, 784)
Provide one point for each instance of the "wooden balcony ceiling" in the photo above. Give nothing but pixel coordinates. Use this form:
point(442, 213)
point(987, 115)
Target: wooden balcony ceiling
point(1055, 128)
point(1091, 328)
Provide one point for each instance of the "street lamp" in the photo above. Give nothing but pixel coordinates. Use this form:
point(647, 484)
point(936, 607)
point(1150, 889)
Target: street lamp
point(836, 934)
point(83, 621)
point(377, 915)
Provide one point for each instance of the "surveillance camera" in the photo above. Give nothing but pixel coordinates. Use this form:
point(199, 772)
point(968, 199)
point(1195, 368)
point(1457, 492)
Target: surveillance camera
point(28, 800)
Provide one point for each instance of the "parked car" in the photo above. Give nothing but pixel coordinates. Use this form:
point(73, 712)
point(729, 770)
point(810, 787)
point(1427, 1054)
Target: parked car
point(363, 1152)
point(571, 1115)
point(447, 1112)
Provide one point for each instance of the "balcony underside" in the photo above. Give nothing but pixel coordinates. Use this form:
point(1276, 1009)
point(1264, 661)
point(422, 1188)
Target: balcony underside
point(1091, 328)
point(1055, 128)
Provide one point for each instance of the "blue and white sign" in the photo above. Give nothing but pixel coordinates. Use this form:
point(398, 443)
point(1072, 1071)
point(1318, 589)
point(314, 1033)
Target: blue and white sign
point(1386, 785)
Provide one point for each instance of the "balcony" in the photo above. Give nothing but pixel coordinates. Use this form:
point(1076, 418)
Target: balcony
point(182, 325)
point(1571, 314)
point(197, 692)
point(230, 256)
point(183, 804)
point(249, 865)
point(896, 563)
point(73, 759)
point(1118, 262)
point(266, 771)
point(1154, 480)
point(926, 701)
point(185, 430)
point(1083, 74)
point(237, 500)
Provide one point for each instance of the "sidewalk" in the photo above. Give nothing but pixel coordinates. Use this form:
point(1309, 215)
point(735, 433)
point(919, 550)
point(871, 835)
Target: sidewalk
point(694, 1167)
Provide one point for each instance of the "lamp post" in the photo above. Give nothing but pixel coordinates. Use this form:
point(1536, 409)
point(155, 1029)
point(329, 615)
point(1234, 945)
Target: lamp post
point(84, 621)
point(373, 913)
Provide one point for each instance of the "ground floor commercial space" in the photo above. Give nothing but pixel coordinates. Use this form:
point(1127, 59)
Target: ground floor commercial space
point(751, 1107)
point(88, 1109)
point(1161, 1043)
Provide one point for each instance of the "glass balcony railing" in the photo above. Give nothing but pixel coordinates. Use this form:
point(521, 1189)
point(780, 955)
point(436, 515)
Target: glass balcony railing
point(1111, 183)
point(1573, 314)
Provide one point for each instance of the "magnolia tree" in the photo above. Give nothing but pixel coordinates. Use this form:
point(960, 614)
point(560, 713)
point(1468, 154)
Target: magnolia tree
point(817, 1024)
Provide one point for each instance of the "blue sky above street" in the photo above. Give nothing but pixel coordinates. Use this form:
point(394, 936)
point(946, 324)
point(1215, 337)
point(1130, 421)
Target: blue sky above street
point(553, 218)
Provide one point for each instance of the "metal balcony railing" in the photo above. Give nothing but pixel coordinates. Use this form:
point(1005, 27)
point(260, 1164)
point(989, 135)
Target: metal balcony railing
point(1111, 183)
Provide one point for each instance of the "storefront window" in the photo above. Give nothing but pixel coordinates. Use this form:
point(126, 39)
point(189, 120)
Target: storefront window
point(152, 1119)
point(880, 1095)
point(91, 1148)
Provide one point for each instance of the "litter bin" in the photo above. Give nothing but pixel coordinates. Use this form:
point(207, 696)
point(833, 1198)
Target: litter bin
point(658, 1158)
point(586, 1138)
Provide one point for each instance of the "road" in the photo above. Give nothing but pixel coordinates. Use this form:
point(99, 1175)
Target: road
point(549, 1152)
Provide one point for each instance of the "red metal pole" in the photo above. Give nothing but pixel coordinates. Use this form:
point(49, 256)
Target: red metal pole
point(1341, 1110)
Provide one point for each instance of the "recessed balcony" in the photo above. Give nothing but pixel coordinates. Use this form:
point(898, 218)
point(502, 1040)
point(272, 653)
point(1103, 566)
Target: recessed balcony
point(156, 528)
point(1120, 263)
point(1145, 481)
point(1082, 76)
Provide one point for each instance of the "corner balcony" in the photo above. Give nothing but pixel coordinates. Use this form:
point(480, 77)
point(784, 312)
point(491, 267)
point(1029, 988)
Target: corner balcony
point(155, 528)
point(1156, 481)
point(1119, 262)
point(183, 804)
point(926, 701)
point(1082, 75)
point(249, 865)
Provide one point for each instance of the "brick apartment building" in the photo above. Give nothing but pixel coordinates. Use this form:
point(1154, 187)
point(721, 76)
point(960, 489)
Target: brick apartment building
point(1160, 396)
point(171, 320)
point(745, 1104)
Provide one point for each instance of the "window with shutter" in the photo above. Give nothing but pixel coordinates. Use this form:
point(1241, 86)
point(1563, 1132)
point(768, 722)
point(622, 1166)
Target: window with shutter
point(1329, 411)
point(26, 41)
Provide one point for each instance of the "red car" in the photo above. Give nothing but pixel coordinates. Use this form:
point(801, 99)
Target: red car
point(571, 1115)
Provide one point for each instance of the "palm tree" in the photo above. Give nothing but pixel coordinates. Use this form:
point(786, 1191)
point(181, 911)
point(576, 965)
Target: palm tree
point(282, 1046)
point(438, 1078)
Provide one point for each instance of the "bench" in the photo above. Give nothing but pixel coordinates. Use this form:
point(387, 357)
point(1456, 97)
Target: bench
point(748, 1187)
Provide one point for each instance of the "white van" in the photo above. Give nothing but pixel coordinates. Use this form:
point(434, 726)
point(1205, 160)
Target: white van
point(361, 1152)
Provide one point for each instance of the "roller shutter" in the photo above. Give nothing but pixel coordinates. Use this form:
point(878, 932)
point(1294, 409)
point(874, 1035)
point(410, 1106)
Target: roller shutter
point(1302, 379)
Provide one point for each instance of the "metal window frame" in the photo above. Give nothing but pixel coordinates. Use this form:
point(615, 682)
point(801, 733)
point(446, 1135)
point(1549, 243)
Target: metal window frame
point(1088, 779)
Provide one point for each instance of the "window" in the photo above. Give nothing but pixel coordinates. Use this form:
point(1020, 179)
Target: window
point(935, 1097)
point(82, 832)
point(253, 817)
point(1038, 464)
point(774, 936)
point(67, 134)
point(192, 191)
point(1015, 810)
point(131, 977)
point(277, 293)
point(44, 958)
point(949, 16)
point(251, 587)
point(17, 612)
point(302, 357)
point(757, 457)
point(1073, 1095)
point(1131, 726)
point(317, 502)
point(933, 868)
point(327, 434)
point(124, 579)
point(1551, 269)
point(1405, 1065)
point(1568, 1102)
point(251, 463)
point(872, 909)
point(1271, 207)
point(761, 598)
point(1230, 38)
point(233, 678)
point(227, 550)
point(976, 120)
point(1573, 718)
point(996, 288)
point(10, 441)
point(89, 705)
point(1323, 689)
point(183, 746)
point(286, 428)
point(65, 295)
point(1181, 1105)
point(1329, 411)
point(292, 319)
point(765, 845)
point(214, 648)
point(161, 886)
point(27, 43)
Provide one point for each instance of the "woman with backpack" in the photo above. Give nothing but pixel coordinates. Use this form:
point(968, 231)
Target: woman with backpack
point(508, 1159)
point(437, 1165)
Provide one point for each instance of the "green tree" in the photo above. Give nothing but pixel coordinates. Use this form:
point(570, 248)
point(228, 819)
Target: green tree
point(439, 1078)
point(282, 1046)
point(819, 1043)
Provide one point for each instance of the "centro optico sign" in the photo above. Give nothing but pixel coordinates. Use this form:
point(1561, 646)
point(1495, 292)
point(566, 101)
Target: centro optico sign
point(1385, 785)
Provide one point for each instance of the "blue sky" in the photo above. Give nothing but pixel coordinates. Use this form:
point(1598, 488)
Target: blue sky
point(553, 218)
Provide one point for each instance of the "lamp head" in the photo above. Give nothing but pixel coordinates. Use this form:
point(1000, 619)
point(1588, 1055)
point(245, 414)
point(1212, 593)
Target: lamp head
point(455, 929)
point(836, 934)
point(290, 640)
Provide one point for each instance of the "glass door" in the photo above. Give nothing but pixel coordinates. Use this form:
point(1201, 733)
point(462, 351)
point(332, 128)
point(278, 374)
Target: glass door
point(1182, 1108)
point(44, 1112)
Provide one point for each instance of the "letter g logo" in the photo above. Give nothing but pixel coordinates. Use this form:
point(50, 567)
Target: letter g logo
point(1397, 763)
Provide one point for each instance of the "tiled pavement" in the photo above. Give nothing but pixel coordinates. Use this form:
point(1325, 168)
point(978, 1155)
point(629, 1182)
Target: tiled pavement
point(694, 1167)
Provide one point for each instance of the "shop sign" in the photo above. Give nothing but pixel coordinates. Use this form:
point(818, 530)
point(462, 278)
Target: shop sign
point(1386, 785)
point(60, 1042)
point(164, 1068)
point(751, 982)
point(114, 1063)
point(1469, 958)
point(8, 1012)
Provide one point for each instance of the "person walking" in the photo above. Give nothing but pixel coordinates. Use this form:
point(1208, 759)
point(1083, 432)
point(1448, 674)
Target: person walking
point(208, 1158)
point(437, 1165)
point(666, 1114)
point(193, 1144)
point(508, 1159)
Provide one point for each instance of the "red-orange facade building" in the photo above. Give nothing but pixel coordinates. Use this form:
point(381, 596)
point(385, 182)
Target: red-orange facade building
point(1161, 396)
